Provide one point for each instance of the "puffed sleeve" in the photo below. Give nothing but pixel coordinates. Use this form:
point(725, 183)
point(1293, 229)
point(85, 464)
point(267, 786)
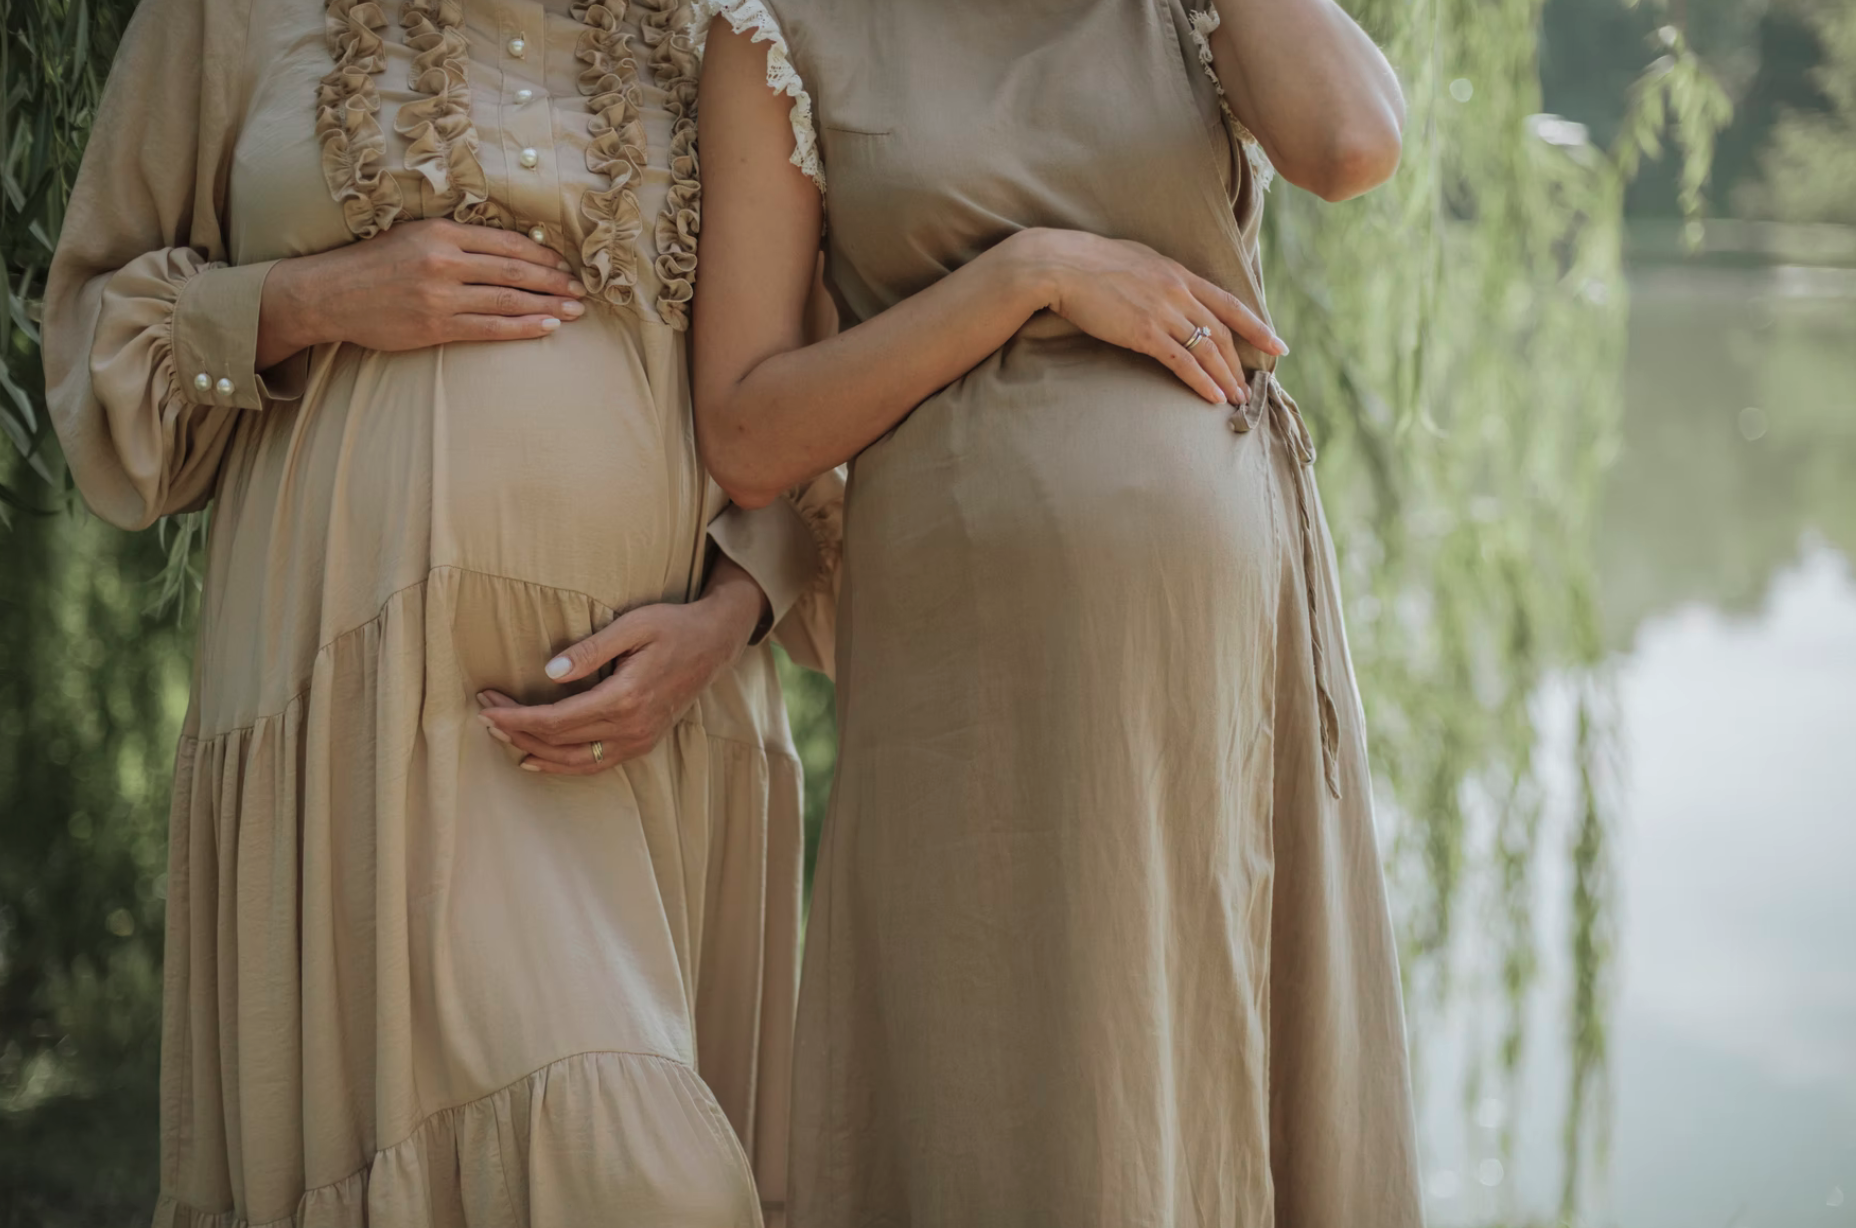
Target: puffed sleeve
point(150, 334)
point(792, 548)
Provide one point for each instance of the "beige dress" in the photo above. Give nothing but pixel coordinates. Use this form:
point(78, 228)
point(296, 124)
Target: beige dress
point(406, 982)
point(1098, 932)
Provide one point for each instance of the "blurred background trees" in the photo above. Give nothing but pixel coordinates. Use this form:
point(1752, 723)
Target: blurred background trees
point(1458, 340)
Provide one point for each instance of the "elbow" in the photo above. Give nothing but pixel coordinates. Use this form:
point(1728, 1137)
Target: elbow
point(747, 496)
point(731, 463)
point(1357, 159)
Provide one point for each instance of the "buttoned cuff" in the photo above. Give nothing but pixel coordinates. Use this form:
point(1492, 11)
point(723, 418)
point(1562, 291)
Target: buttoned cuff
point(215, 341)
point(773, 544)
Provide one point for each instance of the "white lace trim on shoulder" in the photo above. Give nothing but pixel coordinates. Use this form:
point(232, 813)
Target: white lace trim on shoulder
point(782, 78)
point(1203, 23)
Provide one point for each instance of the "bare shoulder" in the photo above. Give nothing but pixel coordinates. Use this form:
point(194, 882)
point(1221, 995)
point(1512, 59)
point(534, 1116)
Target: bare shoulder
point(749, 71)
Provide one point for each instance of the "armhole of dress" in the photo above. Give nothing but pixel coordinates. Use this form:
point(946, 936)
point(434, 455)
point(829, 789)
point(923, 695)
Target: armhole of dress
point(1204, 22)
point(753, 16)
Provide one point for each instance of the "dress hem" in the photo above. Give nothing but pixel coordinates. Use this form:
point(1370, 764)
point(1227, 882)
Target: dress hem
point(346, 1201)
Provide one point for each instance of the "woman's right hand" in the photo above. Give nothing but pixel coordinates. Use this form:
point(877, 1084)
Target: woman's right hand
point(1129, 295)
point(415, 285)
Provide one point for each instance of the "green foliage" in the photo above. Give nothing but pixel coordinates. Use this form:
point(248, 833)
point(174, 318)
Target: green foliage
point(1458, 340)
point(54, 58)
point(810, 707)
point(1810, 165)
point(90, 695)
point(92, 690)
point(1675, 92)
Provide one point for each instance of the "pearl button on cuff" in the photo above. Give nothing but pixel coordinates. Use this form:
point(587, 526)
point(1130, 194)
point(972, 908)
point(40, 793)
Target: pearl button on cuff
point(538, 234)
point(225, 386)
point(517, 46)
point(202, 381)
point(530, 158)
point(524, 95)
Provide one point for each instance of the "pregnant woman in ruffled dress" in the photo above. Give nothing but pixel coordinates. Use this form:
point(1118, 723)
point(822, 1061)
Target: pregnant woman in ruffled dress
point(452, 927)
point(1098, 935)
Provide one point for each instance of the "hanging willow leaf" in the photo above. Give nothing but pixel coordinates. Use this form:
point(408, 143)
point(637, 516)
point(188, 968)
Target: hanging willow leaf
point(54, 58)
point(179, 587)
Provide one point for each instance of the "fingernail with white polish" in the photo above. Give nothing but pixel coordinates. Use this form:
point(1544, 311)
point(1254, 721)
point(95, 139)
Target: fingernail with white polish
point(483, 699)
point(576, 288)
point(563, 266)
point(558, 668)
point(571, 309)
point(550, 324)
point(530, 767)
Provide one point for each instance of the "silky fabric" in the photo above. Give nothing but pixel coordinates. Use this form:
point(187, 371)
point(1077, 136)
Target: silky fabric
point(1099, 935)
point(406, 981)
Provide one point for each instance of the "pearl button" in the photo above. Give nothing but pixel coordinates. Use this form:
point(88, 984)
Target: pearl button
point(202, 381)
point(530, 158)
point(524, 95)
point(518, 47)
point(225, 386)
point(538, 234)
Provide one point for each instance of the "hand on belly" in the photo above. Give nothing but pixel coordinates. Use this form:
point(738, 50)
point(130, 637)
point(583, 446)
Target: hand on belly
point(666, 655)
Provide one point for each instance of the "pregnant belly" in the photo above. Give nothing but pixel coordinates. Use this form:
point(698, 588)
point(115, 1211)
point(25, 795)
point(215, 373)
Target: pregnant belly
point(556, 469)
point(1066, 465)
point(560, 462)
point(1063, 574)
point(576, 468)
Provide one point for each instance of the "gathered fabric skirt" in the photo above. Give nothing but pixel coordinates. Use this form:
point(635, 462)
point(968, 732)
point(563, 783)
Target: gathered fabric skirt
point(407, 982)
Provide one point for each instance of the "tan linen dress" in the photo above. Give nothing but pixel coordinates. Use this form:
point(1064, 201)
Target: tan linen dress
point(406, 982)
point(1098, 932)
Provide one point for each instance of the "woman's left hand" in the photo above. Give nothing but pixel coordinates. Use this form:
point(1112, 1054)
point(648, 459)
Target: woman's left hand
point(667, 656)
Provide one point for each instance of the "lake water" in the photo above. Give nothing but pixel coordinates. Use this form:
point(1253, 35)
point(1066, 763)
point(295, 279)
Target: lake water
point(1730, 604)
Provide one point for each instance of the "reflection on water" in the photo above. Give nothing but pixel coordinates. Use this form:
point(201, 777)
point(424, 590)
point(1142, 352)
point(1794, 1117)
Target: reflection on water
point(1730, 606)
point(1736, 1055)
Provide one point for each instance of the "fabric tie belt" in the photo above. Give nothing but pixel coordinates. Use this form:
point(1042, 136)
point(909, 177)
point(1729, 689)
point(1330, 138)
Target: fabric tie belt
point(1267, 394)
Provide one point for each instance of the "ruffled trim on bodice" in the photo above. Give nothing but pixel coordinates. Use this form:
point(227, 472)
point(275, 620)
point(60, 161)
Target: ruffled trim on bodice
point(347, 119)
point(1203, 23)
point(675, 64)
point(442, 140)
point(617, 152)
point(746, 16)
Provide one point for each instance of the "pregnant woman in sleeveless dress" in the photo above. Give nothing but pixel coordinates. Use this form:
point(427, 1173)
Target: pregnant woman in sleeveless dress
point(1099, 936)
point(403, 290)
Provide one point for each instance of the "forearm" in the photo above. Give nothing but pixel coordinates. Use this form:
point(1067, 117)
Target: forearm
point(1318, 93)
point(801, 411)
point(736, 601)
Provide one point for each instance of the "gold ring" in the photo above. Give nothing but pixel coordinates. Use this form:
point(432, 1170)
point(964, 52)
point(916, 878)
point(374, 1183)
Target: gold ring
point(1198, 334)
point(599, 752)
